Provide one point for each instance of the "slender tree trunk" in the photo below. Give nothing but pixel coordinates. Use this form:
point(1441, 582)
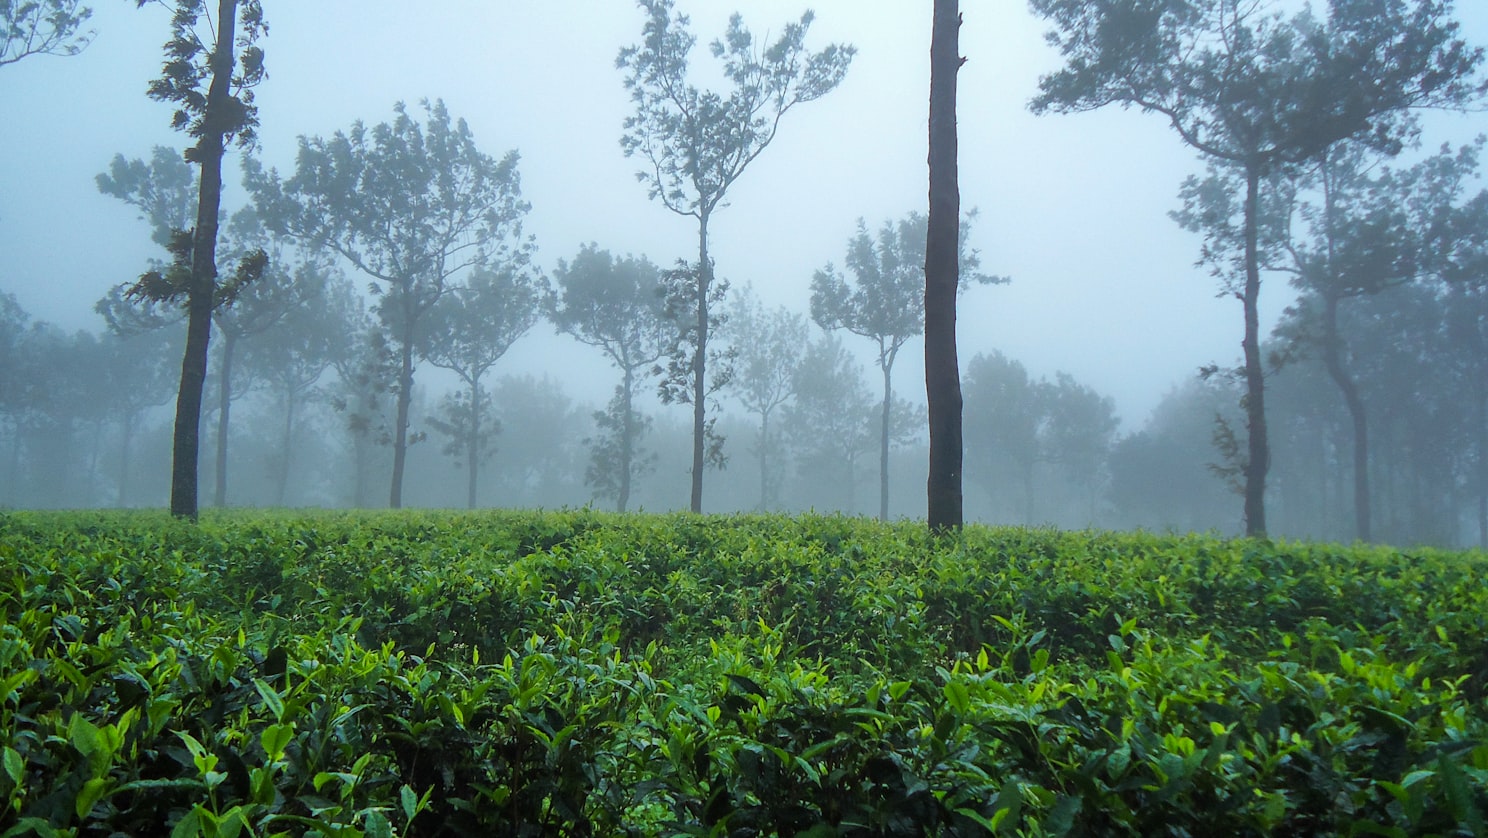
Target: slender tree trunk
point(473, 445)
point(627, 439)
point(1333, 361)
point(1259, 453)
point(764, 445)
point(942, 369)
point(224, 405)
point(286, 446)
point(883, 447)
point(186, 444)
point(400, 432)
point(126, 442)
point(699, 366)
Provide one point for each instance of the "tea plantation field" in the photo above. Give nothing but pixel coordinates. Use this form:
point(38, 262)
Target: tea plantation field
point(580, 673)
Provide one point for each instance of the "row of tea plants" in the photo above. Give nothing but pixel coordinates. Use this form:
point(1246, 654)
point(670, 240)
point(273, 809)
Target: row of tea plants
point(579, 673)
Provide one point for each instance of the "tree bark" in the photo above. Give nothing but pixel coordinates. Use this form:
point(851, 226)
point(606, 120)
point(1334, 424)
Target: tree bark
point(1333, 361)
point(186, 442)
point(1258, 459)
point(699, 367)
point(942, 369)
point(224, 405)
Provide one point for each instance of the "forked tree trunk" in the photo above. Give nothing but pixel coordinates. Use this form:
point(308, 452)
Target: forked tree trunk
point(186, 442)
point(942, 369)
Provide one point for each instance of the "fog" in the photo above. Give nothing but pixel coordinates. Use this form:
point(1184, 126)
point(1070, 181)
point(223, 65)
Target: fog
point(1105, 298)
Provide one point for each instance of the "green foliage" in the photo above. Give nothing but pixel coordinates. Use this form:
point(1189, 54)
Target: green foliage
point(584, 673)
point(42, 27)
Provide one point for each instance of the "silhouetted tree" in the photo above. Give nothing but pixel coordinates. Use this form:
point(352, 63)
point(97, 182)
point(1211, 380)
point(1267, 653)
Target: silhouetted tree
point(619, 306)
point(696, 143)
point(42, 27)
point(200, 54)
point(411, 206)
point(1257, 91)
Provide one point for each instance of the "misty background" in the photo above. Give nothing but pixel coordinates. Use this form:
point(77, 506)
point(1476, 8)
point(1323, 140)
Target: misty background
point(1083, 402)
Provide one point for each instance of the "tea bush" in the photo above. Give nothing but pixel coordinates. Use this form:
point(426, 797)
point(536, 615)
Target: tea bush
point(579, 673)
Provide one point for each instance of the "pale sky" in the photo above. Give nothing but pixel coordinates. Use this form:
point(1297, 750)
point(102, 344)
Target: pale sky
point(1073, 208)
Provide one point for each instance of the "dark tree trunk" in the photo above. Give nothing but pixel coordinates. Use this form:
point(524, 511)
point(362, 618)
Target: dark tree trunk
point(627, 439)
point(224, 405)
point(1258, 459)
point(699, 367)
point(942, 369)
point(883, 447)
point(186, 444)
point(400, 431)
point(1333, 361)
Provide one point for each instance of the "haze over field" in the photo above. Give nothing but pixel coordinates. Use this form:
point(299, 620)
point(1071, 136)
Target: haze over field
point(1074, 209)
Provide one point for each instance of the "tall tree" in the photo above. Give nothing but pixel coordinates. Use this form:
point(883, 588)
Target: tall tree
point(885, 302)
point(221, 112)
point(1255, 90)
point(619, 306)
point(942, 276)
point(470, 329)
point(410, 205)
point(767, 355)
point(696, 143)
point(1355, 239)
point(42, 27)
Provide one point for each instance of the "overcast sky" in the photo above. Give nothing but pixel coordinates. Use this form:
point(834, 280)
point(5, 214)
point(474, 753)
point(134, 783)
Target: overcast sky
point(1073, 208)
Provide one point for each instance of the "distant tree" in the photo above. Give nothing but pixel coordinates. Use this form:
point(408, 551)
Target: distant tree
point(410, 205)
point(1356, 237)
point(1006, 412)
point(366, 367)
point(162, 189)
point(696, 143)
point(13, 324)
point(42, 27)
point(540, 461)
point(135, 373)
point(292, 283)
point(942, 277)
point(470, 329)
point(767, 347)
point(830, 422)
point(885, 302)
point(223, 111)
point(1079, 430)
point(619, 306)
point(1258, 92)
point(291, 358)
